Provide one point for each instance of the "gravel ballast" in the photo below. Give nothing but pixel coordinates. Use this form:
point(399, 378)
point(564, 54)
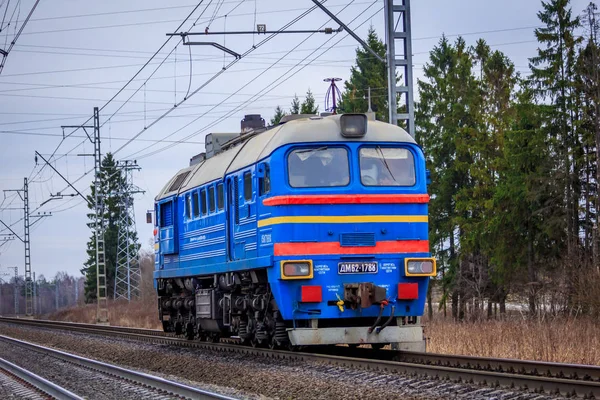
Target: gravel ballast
point(249, 377)
point(12, 388)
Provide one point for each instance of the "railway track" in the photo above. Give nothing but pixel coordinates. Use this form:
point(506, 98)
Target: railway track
point(139, 384)
point(21, 383)
point(570, 380)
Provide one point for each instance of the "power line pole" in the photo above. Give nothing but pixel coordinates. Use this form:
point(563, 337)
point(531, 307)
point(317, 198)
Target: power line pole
point(127, 275)
point(28, 282)
point(34, 295)
point(399, 10)
point(101, 290)
point(26, 242)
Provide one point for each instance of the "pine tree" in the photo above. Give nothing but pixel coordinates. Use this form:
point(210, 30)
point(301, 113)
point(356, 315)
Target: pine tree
point(279, 113)
point(308, 105)
point(111, 180)
point(295, 109)
point(368, 72)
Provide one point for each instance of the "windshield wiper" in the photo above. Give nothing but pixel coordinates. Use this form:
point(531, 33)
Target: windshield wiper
point(386, 164)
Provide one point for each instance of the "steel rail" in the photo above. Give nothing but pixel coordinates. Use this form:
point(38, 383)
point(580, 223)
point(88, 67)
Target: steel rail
point(547, 377)
point(41, 384)
point(141, 378)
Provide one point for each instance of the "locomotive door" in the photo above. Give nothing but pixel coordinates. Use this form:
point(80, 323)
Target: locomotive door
point(167, 228)
point(232, 214)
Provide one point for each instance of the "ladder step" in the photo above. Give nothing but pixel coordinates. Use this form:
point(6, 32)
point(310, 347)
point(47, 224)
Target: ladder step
point(399, 8)
point(400, 35)
point(402, 89)
point(401, 61)
point(403, 116)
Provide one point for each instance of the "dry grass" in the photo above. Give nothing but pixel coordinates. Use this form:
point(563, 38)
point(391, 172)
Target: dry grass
point(139, 314)
point(558, 340)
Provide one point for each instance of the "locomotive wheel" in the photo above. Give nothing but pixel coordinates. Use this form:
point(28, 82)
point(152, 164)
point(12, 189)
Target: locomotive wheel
point(377, 346)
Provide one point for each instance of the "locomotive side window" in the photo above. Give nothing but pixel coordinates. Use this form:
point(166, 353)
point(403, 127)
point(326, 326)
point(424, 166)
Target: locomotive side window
point(387, 166)
point(203, 201)
point(318, 167)
point(188, 206)
point(220, 196)
point(195, 206)
point(264, 183)
point(211, 198)
point(247, 186)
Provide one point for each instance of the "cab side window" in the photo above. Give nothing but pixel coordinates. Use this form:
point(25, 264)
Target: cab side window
point(247, 186)
point(264, 183)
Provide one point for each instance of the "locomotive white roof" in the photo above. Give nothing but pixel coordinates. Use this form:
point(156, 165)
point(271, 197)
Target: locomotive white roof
point(305, 130)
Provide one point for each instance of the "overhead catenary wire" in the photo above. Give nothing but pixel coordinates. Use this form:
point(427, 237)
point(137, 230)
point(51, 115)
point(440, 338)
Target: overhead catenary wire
point(197, 89)
point(137, 153)
point(235, 61)
point(133, 77)
point(7, 51)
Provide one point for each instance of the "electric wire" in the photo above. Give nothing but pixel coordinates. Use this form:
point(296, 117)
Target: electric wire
point(136, 154)
point(235, 61)
point(130, 80)
point(199, 88)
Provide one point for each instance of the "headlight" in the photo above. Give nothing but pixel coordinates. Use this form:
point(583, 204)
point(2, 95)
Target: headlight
point(297, 269)
point(353, 125)
point(420, 267)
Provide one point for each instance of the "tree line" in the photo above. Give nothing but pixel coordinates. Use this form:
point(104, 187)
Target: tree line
point(515, 205)
point(59, 292)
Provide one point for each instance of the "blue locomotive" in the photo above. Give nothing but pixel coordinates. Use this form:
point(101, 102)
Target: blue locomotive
point(312, 232)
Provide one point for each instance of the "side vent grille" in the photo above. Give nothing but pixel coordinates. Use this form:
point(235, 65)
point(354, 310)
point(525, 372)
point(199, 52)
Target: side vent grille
point(357, 239)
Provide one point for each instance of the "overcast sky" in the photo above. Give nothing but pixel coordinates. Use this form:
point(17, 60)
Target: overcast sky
point(74, 55)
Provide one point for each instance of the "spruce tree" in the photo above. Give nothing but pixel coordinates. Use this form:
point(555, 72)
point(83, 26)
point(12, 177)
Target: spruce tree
point(295, 109)
point(444, 120)
point(552, 77)
point(279, 113)
point(368, 72)
point(308, 105)
point(588, 89)
point(111, 180)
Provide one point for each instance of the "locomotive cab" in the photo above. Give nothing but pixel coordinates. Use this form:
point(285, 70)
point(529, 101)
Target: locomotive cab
point(349, 222)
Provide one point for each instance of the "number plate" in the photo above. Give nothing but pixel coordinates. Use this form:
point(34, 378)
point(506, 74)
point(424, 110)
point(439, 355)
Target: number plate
point(361, 267)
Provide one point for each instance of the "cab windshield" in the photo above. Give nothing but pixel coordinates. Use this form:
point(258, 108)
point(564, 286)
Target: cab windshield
point(318, 167)
point(386, 166)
